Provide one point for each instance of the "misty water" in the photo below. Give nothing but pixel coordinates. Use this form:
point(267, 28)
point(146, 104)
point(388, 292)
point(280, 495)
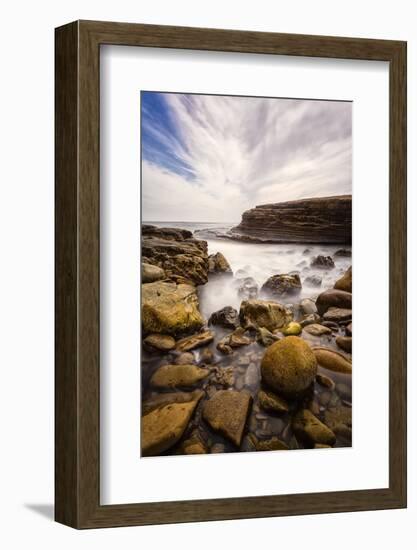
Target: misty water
point(259, 261)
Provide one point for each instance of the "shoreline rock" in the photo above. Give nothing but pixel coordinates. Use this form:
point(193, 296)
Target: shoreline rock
point(323, 220)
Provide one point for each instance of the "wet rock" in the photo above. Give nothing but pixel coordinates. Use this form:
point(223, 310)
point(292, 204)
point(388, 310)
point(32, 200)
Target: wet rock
point(207, 356)
point(332, 360)
point(348, 329)
point(310, 431)
point(163, 426)
point(194, 445)
point(271, 402)
point(307, 306)
point(238, 338)
point(262, 313)
point(163, 399)
point(322, 262)
point(174, 376)
point(313, 281)
point(159, 342)
point(264, 337)
point(345, 282)
point(317, 330)
point(273, 444)
point(152, 273)
point(292, 329)
point(195, 341)
point(247, 288)
point(217, 263)
point(176, 252)
point(334, 327)
point(185, 358)
point(171, 309)
point(226, 317)
point(344, 343)
point(337, 314)
point(311, 319)
point(282, 285)
point(321, 446)
point(218, 448)
point(224, 348)
point(235, 340)
point(333, 298)
point(289, 366)
point(337, 417)
point(224, 376)
point(343, 253)
point(325, 381)
point(226, 412)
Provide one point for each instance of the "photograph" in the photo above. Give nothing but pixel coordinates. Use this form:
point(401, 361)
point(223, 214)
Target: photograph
point(246, 274)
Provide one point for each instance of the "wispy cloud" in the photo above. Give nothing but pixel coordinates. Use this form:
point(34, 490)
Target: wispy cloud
point(209, 158)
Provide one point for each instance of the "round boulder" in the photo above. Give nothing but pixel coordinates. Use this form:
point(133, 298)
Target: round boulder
point(289, 366)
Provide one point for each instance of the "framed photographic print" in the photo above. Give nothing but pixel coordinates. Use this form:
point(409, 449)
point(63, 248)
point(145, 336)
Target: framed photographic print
point(230, 274)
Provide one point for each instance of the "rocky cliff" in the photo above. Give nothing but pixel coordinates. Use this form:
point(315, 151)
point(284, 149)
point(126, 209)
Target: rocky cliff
point(319, 220)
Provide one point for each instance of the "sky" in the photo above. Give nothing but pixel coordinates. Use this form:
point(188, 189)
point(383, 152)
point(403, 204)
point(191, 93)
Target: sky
point(209, 158)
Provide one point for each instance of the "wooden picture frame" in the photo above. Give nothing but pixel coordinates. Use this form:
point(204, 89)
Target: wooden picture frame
point(77, 382)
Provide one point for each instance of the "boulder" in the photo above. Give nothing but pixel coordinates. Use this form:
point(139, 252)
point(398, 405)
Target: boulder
point(312, 281)
point(171, 309)
point(217, 263)
point(344, 343)
point(195, 341)
point(194, 445)
point(325, 381)
point(308, 307)
point(332, 360)
point(176, 252)
point(282, 285)
point(271, 402)
point(338, 314)
point(262, 313)
point(152, 273)
point(345, 282)
point(163, 399)
point(159, 342)
point(226, 317)
point(264, 337)
point(317, 330)
point(322, 262)
point(234, 340)
point(176, 376)
point(163, 426)
point(343, 253)
point(289, 366)
point(311, 319)
point(226, 412)
point(333, 298)
point(310, 430)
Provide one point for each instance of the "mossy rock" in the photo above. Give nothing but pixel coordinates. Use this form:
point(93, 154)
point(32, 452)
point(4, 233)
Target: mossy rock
point(289, 366)
point(171, 309)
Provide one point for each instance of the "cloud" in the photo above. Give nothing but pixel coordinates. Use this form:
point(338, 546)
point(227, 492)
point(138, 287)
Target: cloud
point(209, 158)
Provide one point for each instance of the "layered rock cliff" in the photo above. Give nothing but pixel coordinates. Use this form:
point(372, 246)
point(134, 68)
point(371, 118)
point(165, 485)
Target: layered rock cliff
point(318, 220)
